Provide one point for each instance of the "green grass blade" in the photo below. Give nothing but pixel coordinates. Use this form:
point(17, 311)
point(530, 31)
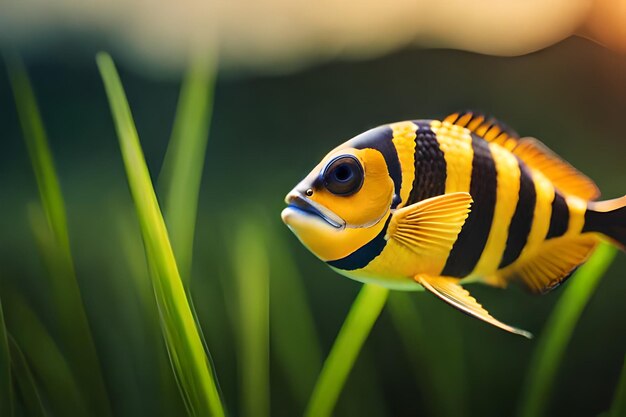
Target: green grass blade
point(25, 382)
point(362, 316)
point(58, 383)
point(558, 331)
point(6, 385)
point(294, 337)
point(251, 264)
point(71, 318)
point(38, 149)
point(618, 408)
point(189, 360)
point(184, 160)
point(160, 375)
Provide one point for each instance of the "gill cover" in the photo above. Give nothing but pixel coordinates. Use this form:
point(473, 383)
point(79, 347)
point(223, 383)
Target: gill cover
point(339, 206)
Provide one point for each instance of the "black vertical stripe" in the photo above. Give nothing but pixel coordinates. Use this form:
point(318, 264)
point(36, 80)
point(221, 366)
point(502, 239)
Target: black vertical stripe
point(365, 254)
point(430, 165)
point(472, 239)
point(559, 219)
point(381, 139)
point(522, 220)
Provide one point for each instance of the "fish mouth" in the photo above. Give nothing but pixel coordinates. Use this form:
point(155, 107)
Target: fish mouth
point(299, 202)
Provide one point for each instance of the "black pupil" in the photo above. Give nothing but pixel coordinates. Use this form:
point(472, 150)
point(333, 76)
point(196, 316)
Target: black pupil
point(343, 176)
point(343, 172)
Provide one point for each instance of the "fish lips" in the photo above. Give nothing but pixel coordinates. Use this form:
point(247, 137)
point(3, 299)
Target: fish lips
point(297, 201)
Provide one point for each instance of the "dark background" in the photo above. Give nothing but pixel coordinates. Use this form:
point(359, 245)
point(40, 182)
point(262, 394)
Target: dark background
point(267, 132)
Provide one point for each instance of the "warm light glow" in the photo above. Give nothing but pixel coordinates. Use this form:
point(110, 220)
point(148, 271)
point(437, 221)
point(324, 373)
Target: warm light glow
point(278, 35)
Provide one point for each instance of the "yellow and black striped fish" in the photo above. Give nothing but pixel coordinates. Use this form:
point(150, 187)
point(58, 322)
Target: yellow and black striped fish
point(436, 204)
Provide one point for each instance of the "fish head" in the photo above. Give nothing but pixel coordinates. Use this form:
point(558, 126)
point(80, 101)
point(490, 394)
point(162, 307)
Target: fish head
point(333, 211)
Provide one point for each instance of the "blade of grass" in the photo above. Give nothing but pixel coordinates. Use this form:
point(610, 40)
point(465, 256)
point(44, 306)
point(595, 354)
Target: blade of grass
point(184, 160)
point(25, 382)
point(160, 378)
point(618, 408)
point(71, 318)
point(159, 375)
point(362, 316)
point(251, 265)
point(38, 149)
point(58, 383)
point(294, 337)
point(6, 385)
point(189, 360)
point(558, 331)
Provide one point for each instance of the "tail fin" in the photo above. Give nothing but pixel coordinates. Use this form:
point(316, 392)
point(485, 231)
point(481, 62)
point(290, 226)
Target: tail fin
point(608, 218)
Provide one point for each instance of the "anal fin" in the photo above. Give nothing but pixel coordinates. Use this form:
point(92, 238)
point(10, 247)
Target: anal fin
point(452, 293)
point(554, 262)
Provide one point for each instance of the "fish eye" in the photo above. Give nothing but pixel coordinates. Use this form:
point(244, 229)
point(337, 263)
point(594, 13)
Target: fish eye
point(343, 175)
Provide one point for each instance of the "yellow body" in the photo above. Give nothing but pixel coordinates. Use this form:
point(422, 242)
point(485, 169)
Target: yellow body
point(396, 266)
point(430, 204)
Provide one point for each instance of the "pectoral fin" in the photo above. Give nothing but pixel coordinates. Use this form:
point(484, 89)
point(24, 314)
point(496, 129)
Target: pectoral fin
point(452, 293)
point(432, 225)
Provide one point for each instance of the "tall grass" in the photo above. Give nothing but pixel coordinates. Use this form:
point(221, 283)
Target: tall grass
point(181, 174)
point(159, 377)
point(251, 267)
point(558, 331)
point(189, 360)
point(6, 384)
point(71, 320)
point(184, 160)
point(362, 316)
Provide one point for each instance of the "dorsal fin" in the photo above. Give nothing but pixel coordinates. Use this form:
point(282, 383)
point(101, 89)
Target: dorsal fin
point(535, 154)
point(565, 177)
point(488, 128)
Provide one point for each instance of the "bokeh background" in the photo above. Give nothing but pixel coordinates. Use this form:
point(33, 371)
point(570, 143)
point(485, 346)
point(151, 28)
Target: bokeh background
point(267, 131)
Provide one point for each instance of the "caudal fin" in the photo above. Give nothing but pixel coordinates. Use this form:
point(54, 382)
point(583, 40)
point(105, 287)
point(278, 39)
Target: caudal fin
point(608, 218)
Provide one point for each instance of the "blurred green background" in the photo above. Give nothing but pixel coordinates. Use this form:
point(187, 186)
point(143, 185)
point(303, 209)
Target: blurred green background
point(266, 133)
